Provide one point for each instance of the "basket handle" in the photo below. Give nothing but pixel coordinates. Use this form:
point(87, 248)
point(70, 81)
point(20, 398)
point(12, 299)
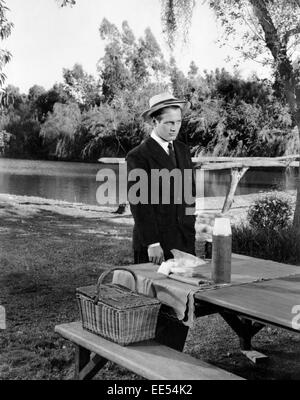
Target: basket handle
point(104, 275)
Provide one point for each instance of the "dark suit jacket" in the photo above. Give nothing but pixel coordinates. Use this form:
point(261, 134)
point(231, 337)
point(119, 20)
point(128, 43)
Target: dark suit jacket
point(164, 223)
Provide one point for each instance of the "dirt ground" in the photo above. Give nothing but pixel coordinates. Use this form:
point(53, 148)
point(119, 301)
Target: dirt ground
point(48, 248)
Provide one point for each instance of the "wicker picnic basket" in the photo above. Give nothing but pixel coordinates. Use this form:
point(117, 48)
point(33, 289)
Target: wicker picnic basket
point(117, 313)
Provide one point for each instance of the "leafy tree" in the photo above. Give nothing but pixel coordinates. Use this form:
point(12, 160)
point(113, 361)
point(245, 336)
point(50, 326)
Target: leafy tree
point(59, 130)
point(17, 121)
point(113, 72)
point(5, 31)
point(237, 117)
point(127, 63)
point(5, 138)
point(24, 130)
point(45, 102)
point(34, 92)
point(12, 97)
point(115, 128)
point(111, 130)
point(232, 87)
point(266, 30)
point(81, 87)
point(100, 127)
point(193, 71)
point(149, 51)
point(178, 80)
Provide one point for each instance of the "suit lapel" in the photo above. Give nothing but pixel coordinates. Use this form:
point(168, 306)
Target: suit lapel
point(180, 157)
point(157, 153)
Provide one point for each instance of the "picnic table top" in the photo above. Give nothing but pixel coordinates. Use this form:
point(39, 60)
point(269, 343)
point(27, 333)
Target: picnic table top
point(245, 269)
point(262, 289)
point(272, 301)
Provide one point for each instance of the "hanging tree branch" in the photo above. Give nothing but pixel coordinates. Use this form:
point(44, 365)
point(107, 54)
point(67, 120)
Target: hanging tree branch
point(176, 16)
point(5, 55)
point(292, 32)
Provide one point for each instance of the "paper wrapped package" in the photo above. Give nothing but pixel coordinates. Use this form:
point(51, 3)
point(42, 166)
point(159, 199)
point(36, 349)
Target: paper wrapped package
point(184, 264)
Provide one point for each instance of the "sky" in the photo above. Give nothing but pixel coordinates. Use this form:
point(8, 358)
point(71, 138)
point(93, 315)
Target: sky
point(47, 38)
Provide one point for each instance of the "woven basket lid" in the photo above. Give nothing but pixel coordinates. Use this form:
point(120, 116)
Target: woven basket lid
point(118, 296)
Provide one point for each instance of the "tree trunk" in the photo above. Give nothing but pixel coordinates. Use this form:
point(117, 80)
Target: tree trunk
point(285, 73)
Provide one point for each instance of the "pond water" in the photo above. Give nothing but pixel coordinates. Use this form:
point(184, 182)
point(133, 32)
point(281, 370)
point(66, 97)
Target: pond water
point(76, 182)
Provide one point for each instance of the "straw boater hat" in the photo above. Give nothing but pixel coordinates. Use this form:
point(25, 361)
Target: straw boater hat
point(160, 101)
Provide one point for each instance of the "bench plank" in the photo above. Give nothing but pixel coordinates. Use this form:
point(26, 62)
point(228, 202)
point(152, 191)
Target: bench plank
point(148, 359)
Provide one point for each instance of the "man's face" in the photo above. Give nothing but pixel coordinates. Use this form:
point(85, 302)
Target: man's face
point(169, 125)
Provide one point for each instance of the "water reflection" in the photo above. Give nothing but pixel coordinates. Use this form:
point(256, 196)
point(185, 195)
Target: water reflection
point(76, 182)
point(254, 181)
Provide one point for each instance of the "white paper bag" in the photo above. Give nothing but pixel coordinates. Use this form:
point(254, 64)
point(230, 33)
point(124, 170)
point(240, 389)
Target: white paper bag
point(182, 264)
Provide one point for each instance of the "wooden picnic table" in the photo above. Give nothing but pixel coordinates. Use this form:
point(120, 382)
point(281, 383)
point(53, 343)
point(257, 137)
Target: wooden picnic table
point(262, 292)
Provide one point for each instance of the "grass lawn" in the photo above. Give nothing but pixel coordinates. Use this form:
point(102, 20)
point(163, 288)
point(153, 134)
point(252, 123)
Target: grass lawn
point(48, 249)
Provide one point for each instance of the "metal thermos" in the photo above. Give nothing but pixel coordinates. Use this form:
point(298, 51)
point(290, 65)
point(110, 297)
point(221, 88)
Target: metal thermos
point(221, 251)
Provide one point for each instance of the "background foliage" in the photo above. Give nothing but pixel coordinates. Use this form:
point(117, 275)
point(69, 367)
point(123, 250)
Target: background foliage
point(86, 117)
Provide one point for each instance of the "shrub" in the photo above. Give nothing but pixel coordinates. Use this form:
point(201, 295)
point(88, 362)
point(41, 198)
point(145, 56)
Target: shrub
point(272, 211)
point(278, 245)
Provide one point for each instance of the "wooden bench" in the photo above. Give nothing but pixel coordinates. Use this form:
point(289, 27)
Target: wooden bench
point(148, 359)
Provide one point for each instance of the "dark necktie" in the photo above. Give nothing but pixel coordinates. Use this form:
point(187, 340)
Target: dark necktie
point(172, 153)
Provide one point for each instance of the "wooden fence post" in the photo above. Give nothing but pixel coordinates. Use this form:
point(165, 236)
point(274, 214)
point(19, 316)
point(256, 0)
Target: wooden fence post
point(235, 177)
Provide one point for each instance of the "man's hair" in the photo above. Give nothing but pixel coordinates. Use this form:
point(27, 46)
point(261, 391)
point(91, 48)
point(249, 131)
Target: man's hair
point(159, 113)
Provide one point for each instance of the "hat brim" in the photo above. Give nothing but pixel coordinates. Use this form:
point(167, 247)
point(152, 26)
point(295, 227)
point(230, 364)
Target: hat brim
point(180, 103)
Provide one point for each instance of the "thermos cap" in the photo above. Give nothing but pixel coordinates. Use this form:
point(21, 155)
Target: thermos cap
point(222, 227)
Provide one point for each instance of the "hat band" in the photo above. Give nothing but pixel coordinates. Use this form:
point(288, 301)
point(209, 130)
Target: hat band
point(164, 104)
point(165, 101)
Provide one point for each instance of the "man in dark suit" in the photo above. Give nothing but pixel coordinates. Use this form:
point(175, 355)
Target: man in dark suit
point(159, 225)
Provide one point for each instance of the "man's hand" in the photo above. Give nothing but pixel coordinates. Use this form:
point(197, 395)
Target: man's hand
point(156, 254)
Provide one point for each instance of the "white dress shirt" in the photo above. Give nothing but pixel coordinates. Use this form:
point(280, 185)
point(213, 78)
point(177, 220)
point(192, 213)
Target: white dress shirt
point(161, 142)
